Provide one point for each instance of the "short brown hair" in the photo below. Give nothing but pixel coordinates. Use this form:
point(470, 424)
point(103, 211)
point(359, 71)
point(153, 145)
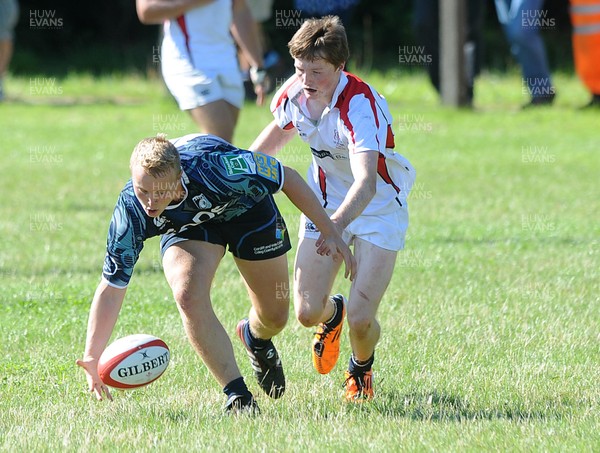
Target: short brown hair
point(156, 155)
point(323, 38)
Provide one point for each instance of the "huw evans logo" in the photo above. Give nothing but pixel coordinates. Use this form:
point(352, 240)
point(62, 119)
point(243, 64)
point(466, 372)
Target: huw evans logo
point(288, 18)
point(44, 86)
point(45, 19)
point(169, 122)
point(537, 155)
point(413, 55)
point(537, 18)
point(410, 122)
point(44, 154)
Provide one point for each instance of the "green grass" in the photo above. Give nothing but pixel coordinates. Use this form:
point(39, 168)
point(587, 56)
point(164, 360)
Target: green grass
point(490, 325)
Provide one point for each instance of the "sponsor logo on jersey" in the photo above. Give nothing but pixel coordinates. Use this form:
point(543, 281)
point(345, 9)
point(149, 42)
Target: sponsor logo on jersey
point(238, 164)
point(267, 166)
point(322, 154)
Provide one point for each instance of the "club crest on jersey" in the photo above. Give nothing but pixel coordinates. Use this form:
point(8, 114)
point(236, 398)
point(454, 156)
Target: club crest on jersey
point(337, 140)
point(159, 221)
point(202, 202)
point(238, 164)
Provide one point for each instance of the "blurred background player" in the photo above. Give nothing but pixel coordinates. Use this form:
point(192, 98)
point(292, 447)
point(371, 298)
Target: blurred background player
point(362, 184)
point(9, 14)
point(426, 26)
point(521, 21)
point(585, 17)
point(199, 59)
point(320, 8)
point(202, 195)
point(262, 11)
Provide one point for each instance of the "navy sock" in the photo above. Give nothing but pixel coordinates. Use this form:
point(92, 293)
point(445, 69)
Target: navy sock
point(237, 387)
point(252, 341)
point(357, 367)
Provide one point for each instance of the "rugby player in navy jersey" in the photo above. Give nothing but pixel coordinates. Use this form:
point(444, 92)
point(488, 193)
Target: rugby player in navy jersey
point(202, 196)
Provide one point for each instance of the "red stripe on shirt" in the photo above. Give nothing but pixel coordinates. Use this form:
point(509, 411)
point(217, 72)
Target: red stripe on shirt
point(382, 171)
point(183, 26)
point(323, 185)
point(353, 87)
point(389, 142)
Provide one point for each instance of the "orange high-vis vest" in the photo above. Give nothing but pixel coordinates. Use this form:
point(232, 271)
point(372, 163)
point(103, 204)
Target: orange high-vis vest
point(585, 16)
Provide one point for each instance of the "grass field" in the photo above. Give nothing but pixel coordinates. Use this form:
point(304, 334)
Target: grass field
point(491, 338)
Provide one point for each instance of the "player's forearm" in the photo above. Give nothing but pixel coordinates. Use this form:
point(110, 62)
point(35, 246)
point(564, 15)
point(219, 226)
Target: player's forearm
point(157, 11)
point(245, 33)
point(272, 139)
point(362, 190)
point(104, 312)
point(357, 199)
point(304, 199)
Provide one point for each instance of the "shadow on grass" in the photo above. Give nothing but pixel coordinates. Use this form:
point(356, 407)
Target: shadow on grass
point(445, 407)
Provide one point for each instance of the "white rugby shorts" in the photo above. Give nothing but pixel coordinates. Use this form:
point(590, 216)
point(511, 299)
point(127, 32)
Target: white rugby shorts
point(196, 88)
point(387, 231)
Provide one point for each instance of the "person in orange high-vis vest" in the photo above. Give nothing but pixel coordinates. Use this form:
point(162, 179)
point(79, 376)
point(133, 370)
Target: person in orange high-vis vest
point(585, 16)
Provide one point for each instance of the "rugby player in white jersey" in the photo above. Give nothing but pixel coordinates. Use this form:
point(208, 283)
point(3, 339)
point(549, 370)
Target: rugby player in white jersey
point(202, 196)
point(199, 60)
point(362, 183)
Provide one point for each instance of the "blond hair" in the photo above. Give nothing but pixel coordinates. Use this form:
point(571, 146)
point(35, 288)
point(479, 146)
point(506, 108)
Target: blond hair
point(156, 155)
point(323, 38)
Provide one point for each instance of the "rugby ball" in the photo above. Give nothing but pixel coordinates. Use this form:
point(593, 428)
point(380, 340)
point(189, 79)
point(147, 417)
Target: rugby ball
point(133, 361)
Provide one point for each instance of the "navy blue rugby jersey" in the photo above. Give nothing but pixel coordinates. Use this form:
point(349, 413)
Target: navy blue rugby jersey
point(221, 182)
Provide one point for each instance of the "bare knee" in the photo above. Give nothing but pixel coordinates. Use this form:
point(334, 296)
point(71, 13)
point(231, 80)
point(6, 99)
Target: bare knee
point(275, 320)
point(188, 302)
point(309, 312)
point(307, 317)
point(360, 324)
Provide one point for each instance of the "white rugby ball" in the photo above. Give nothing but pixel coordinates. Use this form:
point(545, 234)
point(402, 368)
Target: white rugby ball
point(133, 361)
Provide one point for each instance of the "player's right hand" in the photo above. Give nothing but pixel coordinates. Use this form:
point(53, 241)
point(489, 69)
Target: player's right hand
point(335, 246)
point(95, 384)
point(261, 82)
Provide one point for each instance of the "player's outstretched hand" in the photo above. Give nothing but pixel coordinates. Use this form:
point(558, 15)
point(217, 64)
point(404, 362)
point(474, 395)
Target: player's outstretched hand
point(336, 247)
point(262, 82)
point(260, 92)
point(95, 384)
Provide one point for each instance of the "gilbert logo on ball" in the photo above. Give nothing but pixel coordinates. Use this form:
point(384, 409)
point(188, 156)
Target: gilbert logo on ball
point(133, 361)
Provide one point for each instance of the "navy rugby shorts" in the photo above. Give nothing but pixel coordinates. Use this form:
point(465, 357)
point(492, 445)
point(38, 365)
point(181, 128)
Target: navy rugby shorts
point(258, 234)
